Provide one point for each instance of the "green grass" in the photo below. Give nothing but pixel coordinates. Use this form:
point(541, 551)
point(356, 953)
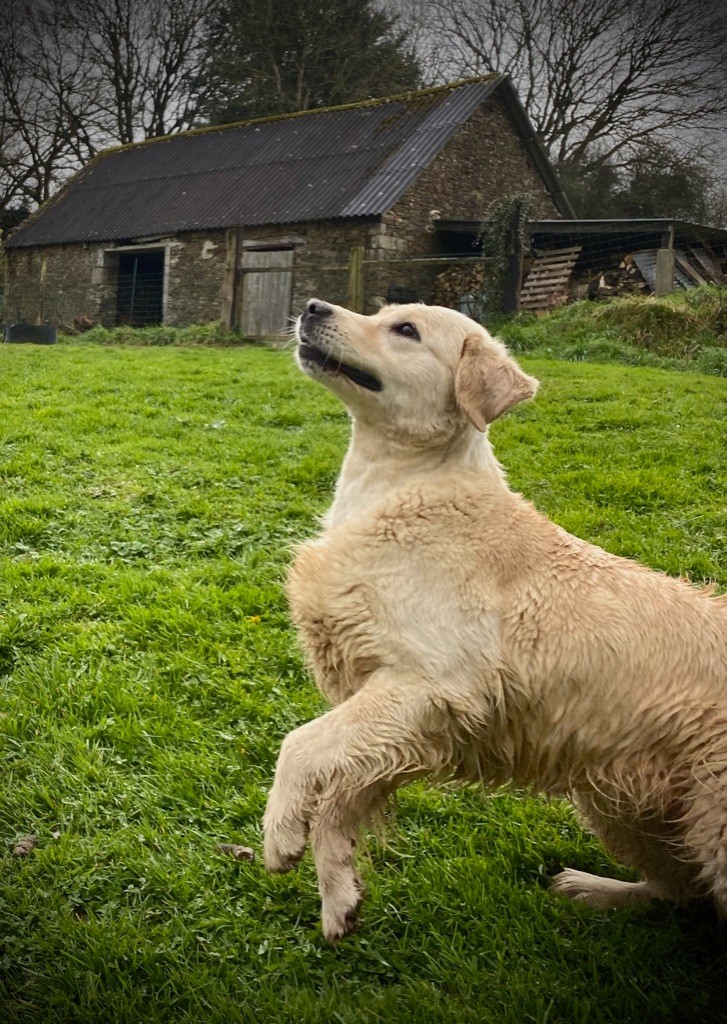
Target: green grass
point(148, 673)
point(686, 330)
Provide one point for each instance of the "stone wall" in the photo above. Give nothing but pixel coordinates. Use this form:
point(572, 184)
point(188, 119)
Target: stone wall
point(196, 270)
point(484, 161)
point(80, 281)
point(55, 284)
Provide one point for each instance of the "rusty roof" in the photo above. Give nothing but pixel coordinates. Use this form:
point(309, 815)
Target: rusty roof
point(347, 161)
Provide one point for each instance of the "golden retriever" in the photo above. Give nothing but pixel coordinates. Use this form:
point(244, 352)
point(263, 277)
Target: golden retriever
point(460, 633)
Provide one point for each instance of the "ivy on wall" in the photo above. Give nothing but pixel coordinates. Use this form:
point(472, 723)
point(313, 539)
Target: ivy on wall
point(504, 233)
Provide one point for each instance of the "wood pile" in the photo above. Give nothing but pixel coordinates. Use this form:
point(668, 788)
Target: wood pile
point(623, 279)
point(634, 274)
point(555, 277)
point(464, 282)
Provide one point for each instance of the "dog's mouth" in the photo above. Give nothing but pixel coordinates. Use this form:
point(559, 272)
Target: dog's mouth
point(309, 353)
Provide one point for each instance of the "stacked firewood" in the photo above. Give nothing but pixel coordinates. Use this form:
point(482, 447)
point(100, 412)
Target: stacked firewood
point(458, 281)
point(623, 279)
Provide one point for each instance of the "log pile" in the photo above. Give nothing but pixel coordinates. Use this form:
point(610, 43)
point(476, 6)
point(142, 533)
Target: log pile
point(623, 279)
point(456, 282)
point(553, 278)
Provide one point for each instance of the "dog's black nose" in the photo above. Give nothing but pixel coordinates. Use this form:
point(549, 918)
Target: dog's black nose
point(315, 307)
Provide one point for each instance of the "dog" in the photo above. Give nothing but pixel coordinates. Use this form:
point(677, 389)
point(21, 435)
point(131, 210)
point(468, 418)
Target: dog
point(459, 633)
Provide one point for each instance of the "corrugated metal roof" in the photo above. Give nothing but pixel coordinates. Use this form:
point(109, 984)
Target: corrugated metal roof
point(419, 148)
point(342, 162)
point(646, 262)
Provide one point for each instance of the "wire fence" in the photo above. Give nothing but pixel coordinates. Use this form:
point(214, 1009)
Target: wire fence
point(139, 299)
point(606, 260)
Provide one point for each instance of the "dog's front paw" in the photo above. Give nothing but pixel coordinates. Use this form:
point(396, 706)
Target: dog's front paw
point(340, 912)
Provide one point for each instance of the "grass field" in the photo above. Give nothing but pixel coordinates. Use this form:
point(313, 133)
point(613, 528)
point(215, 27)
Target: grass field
point(148, 674)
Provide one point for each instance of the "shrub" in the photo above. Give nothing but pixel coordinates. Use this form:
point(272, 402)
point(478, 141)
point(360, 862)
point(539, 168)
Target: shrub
point(687, 330)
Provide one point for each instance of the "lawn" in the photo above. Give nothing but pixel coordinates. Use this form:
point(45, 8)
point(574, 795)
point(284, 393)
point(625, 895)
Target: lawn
point(148, 673)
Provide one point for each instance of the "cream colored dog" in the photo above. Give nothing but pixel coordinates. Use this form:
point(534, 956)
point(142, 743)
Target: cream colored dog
point(460, 633)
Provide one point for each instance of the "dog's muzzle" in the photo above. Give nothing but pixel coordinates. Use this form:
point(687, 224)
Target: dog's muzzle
point(312, 350)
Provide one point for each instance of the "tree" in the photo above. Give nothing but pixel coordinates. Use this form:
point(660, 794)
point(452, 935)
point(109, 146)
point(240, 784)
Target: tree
point(598, 78)
point(657, 181)
point(271, 57)
point(664, 183)
point(77, 76)
point(592, 189)
point(45, 92)
point(147, 53)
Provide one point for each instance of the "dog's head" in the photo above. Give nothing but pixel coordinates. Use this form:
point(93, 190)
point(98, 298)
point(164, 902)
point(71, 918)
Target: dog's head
point(413, 371)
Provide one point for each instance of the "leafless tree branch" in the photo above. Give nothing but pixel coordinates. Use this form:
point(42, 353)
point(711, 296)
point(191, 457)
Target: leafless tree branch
point(596, 76)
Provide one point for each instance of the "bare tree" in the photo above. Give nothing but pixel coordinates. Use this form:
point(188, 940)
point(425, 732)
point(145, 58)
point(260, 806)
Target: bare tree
point(148, 54)
point(597, 77)
point(77, 76)
point(46, 102)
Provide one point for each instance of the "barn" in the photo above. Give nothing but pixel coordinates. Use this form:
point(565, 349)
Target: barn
point(241, 223)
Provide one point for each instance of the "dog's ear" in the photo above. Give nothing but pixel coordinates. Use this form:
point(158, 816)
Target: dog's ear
point(488, 382)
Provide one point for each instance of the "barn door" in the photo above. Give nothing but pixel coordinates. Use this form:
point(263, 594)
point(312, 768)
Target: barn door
point(266, 297)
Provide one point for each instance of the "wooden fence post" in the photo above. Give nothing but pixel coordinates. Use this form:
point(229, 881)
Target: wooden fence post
point(229, 284)
point(512, 283)
point(41, 296)
point(355, 279)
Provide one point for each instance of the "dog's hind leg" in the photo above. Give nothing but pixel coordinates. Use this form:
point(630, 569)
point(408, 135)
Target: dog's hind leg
point(706, 836)
point(332, 773)
point(604, 893)
point(652, 845)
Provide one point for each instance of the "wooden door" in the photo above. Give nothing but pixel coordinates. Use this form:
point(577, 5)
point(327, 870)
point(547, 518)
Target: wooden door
point(266, 298)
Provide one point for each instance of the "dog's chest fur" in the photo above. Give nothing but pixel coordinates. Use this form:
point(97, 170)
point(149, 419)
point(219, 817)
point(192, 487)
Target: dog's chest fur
point(395, 588)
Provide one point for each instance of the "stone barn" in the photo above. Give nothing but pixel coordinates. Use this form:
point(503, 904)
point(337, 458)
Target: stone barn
point(241, 223)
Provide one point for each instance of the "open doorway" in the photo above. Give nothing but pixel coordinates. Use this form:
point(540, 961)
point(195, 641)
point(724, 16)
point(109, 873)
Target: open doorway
point(140, 289)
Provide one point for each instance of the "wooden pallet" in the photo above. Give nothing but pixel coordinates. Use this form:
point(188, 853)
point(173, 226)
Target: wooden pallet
point(547, 283)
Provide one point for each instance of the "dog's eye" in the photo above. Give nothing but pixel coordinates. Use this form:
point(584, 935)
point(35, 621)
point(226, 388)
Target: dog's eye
point(407, 330)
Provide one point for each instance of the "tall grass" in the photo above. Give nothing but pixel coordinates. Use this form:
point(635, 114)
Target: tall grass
point(687, 330)
point(214, 333)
